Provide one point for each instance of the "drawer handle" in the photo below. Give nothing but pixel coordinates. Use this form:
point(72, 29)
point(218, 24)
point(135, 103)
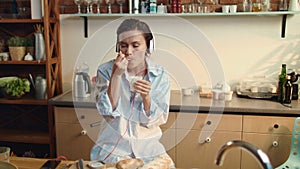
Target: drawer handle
point(83, 132)
point(207, 139)
point(275, 143)
point(276, 126)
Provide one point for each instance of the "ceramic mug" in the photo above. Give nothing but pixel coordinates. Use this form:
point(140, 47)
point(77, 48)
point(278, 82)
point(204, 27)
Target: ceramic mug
point(225, 8)
point(4, 154)
point(233, 8)
point(188, 92)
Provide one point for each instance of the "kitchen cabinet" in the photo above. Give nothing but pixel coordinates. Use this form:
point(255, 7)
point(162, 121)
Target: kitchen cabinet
point(75, 137)
point(265, 124)
point(27, 124)
point(198, 144)
point(271, 134)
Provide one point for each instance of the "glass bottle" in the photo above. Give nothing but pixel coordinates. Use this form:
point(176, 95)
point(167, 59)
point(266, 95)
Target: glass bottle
point(288, 90)
point(281, 82)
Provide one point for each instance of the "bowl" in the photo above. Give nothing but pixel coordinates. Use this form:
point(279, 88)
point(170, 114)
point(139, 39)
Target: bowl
point(7, 165)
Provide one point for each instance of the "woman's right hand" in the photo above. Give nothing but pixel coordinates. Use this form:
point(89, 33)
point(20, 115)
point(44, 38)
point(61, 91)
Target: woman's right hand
point(120, 64)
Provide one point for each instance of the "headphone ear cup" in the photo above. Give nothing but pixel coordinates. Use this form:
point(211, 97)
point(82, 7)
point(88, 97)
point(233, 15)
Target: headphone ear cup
point(151, 46)
point(117, 48)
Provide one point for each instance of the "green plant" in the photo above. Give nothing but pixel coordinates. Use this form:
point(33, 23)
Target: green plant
point(30, 41)
point(18, 87)
point(16, 41)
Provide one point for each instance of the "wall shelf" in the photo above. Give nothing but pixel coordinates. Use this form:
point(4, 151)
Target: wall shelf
point(284, 15)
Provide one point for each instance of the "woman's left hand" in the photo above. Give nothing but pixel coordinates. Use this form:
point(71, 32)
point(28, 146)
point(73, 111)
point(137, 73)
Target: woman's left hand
point(142, 87)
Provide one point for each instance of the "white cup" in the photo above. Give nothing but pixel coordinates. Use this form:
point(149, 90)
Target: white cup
point(132, 80)
point(233, 8)
point(4, 154)
point(188, 92)
point(228, 96)
point(225, 8)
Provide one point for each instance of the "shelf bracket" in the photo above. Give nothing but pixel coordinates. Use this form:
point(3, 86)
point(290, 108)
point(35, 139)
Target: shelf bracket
point(283, 25)
point(85, 23)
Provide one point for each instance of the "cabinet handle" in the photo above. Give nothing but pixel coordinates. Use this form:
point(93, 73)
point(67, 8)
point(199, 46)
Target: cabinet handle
point(276, 126)
point(207, 139)
point(275, 143)
point(83, 132)
point(208, 122)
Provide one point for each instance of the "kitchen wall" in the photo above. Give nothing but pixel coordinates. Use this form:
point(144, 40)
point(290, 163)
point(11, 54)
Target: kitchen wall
point(194, 50)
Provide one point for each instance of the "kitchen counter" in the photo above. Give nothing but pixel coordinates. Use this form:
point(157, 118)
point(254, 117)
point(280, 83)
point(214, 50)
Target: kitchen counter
point(36, 163)
point(194, 103)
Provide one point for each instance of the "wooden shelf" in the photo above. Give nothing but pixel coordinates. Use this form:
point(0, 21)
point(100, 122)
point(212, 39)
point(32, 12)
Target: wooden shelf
point(29, 21)
point(24, 101)
point(13, 135)
point(271, 13)
point(21, 21)
point(10, 62)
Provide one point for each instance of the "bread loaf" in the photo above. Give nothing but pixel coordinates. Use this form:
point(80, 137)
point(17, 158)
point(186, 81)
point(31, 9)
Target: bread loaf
point(158, 163)
point(133, 163)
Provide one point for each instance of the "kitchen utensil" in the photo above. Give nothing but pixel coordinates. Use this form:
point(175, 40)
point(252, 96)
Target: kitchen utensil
point(80, 164)
point(82, 84)
point(40, 88)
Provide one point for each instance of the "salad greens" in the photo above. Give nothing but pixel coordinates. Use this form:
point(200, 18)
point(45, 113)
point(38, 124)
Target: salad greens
point(17, 87)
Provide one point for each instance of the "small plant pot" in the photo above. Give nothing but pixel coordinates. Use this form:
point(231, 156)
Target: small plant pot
point(17, 53)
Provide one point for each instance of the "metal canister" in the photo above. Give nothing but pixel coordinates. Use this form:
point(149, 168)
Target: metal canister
point(40, 88)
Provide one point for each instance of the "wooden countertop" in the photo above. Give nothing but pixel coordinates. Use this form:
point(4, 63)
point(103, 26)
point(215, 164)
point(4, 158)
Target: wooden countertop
point(37, 163)
point(194, 103)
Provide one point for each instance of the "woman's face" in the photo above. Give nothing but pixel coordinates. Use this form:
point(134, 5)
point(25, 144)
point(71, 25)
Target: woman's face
point(133, 45)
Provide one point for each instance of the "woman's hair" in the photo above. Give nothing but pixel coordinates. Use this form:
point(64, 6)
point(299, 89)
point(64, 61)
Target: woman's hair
point(135, 24)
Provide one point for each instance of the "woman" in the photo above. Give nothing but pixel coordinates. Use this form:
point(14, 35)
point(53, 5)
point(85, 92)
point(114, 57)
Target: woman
point(133, 111)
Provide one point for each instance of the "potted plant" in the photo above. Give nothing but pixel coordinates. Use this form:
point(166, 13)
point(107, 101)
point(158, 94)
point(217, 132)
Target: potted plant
point(17, 47)
point(16, 88)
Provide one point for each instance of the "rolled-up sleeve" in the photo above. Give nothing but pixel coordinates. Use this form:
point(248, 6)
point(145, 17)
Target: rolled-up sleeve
point(102, 100)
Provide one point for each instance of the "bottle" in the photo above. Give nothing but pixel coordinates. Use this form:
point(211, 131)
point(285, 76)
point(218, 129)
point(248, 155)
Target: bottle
point(281, 82)
point(152, 6)
point(288, 90)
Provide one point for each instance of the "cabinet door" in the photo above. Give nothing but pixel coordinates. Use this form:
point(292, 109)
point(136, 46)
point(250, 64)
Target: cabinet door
point(276, 146)
point(71, 142)
point(192, 154)
point(74, 136)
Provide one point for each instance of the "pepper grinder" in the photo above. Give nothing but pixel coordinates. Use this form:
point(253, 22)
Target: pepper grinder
point(295, 86)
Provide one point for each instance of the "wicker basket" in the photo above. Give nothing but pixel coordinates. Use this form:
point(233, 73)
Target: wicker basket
point(17, 53)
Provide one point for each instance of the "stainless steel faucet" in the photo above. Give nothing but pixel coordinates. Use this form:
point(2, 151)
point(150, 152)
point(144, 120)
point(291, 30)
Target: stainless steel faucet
point(256, 152)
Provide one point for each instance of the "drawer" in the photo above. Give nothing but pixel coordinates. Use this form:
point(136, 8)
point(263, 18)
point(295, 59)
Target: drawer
point(268, 124)
point(209, 122)
point(69, 115)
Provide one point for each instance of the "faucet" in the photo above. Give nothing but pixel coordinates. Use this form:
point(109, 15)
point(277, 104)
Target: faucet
point(256, 152)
